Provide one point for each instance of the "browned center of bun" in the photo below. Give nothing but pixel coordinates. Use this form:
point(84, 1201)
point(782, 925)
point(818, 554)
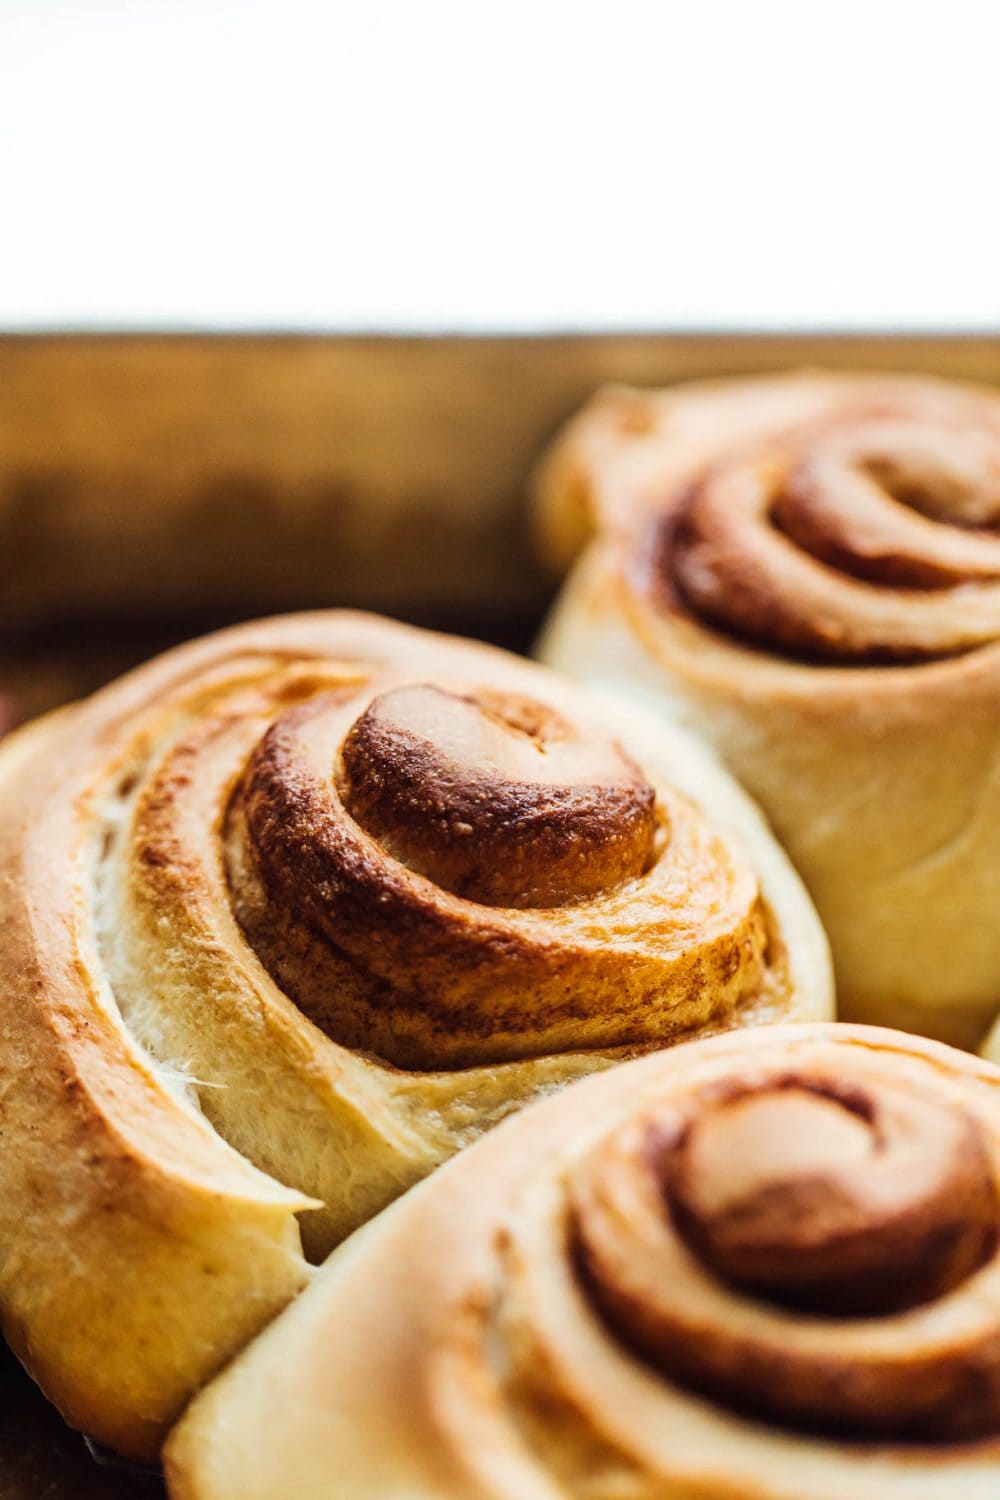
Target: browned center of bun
point(765, 1243)
point(832, 1202)
point(451, 876)
point(496, 798)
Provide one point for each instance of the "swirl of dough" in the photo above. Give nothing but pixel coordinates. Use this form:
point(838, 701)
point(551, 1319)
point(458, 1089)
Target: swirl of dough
point(806, 570)
point(294, 913)
point(873, 537)
point(448, 895)
point(799, 1192)
point(757, 1264)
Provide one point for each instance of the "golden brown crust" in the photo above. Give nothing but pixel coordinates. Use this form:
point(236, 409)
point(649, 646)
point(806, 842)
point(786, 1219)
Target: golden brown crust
point(538, 1320)
point(185, 1096)
point(806, 570)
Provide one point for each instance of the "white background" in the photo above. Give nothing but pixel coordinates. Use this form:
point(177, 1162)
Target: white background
point(505, 165)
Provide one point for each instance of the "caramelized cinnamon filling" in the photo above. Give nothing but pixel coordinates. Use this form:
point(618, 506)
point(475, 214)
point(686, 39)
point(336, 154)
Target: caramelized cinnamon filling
point(870, 538)
point(754, 1246)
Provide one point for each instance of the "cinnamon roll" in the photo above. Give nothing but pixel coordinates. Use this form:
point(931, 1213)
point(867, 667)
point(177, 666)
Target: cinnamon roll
point(292, 914)
point(806, 570)
point(758, 1265)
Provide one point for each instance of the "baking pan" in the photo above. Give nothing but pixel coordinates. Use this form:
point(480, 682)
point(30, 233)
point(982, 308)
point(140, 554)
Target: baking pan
point(150, 486)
